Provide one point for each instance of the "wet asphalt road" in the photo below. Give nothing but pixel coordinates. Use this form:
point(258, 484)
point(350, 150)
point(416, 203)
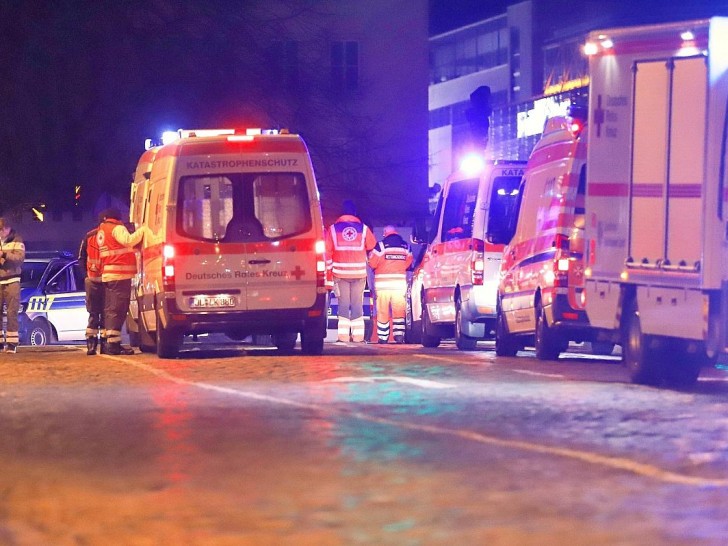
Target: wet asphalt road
point(368, 444)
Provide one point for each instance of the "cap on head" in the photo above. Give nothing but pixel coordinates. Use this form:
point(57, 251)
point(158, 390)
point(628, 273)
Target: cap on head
point(347, 207)
point(389, 230)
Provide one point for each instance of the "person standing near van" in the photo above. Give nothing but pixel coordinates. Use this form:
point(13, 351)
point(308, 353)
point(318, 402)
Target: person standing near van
point(348, 240)
point(118, 267)
point(12, 256)
point(89, 257)
point(390, 260)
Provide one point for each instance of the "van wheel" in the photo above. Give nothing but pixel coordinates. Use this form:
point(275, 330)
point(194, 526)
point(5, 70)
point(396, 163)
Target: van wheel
point(548, 343)
point(428, 339)
point(412, 328)
point(505, 344)
point(285, 342)
point(311, 343)
point(463, 342)
point(147, 343)
point(168, 341)
point(641, 360)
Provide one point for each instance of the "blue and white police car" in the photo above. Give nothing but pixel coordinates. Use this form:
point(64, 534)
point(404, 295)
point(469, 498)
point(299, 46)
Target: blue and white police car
point(52, 299)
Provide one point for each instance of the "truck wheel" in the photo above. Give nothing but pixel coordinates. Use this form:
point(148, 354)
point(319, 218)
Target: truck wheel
point(285, 342)
point(168, 341)
point(428, 339)
point(683, 360)
point(311, 342)
point(548, 344)
point(640, 359)
point(40, 333)
point(505, 344)
point(463, 342)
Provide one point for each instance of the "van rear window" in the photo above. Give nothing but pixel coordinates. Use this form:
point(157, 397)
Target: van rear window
point(243, 207)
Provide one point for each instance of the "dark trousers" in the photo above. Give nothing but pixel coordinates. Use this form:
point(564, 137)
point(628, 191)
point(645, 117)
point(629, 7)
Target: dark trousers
point(95, 307)
point(117, 295)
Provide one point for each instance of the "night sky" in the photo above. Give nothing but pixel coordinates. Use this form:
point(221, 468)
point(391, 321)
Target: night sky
point(83, 83)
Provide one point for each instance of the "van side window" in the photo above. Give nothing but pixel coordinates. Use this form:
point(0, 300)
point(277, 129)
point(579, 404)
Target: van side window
point(457, 221)
point(579, 205)
point(503, 208)
point(436, 218)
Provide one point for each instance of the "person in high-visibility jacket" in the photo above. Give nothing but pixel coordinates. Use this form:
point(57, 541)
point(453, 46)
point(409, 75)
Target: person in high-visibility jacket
point(12, 256)
point(390, 260)
point(348, 240)
point(89, 256)
point(118, 267)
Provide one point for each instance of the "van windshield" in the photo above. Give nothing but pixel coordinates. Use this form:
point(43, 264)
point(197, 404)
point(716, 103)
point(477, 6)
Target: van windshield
point(243, 207)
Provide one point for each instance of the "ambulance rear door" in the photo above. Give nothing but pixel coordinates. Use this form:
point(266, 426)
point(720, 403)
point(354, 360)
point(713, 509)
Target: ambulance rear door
point(281, 261)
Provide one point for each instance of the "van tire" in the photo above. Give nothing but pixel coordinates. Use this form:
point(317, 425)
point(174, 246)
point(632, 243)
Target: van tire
point(428, 339)
point(682, 367)
point(311, 344)
point(168, 341)
point(285, 342)
point(463, 342)
point(641, 360)
point(147, 343)
point(548, 343)
point(505, 344)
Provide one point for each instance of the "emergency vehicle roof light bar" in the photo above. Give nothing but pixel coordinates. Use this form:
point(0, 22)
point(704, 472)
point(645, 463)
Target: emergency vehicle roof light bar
point(472, 164)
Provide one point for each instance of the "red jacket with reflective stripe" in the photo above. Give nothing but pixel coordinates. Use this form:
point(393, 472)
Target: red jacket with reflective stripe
point(347, 243)
point(90, 255)
point(116, 259)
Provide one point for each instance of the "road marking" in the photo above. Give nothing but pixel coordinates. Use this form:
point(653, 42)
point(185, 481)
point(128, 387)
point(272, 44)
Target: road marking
point(424, 383)
point(540, 374)
point(617, 463)
point(450, 359)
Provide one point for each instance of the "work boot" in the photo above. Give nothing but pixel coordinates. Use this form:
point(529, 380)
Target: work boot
point(117, 349)
point(91, 344)
point(104, 346)
point(382, 342)
point(399, 339)
point(11, 348)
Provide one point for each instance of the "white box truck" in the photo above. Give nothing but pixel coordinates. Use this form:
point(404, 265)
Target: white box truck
point(657, 196)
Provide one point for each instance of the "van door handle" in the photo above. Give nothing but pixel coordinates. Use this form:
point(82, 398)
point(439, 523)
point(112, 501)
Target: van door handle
point(258, 262)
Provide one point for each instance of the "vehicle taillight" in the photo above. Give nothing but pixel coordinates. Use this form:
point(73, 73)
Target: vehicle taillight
point(561, 260)
point(320, 248)
point(168, 268)
point(477, 265)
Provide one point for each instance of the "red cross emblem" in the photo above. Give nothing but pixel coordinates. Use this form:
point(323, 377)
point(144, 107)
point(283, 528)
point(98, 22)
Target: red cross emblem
point(298, 273)
point(348, 233)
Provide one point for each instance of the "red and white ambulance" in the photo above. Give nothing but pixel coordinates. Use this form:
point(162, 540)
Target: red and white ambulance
point(541, 288)
point(453, 290)
point(235, 241)
point(657, 197)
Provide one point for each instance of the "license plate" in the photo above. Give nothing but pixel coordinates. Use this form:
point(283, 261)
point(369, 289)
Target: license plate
point(212, 302)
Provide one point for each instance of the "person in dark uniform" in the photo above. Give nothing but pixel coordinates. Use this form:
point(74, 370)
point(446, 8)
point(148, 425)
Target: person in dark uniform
point(89, 257)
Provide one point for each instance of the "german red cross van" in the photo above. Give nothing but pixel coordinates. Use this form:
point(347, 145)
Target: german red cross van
point(453, 290)
point(235, 241)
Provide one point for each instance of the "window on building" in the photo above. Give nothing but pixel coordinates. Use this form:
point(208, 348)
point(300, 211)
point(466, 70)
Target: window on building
point(345, 65)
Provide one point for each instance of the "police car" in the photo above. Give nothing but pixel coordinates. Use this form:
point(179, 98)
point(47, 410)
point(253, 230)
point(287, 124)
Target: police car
point(52, 299)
